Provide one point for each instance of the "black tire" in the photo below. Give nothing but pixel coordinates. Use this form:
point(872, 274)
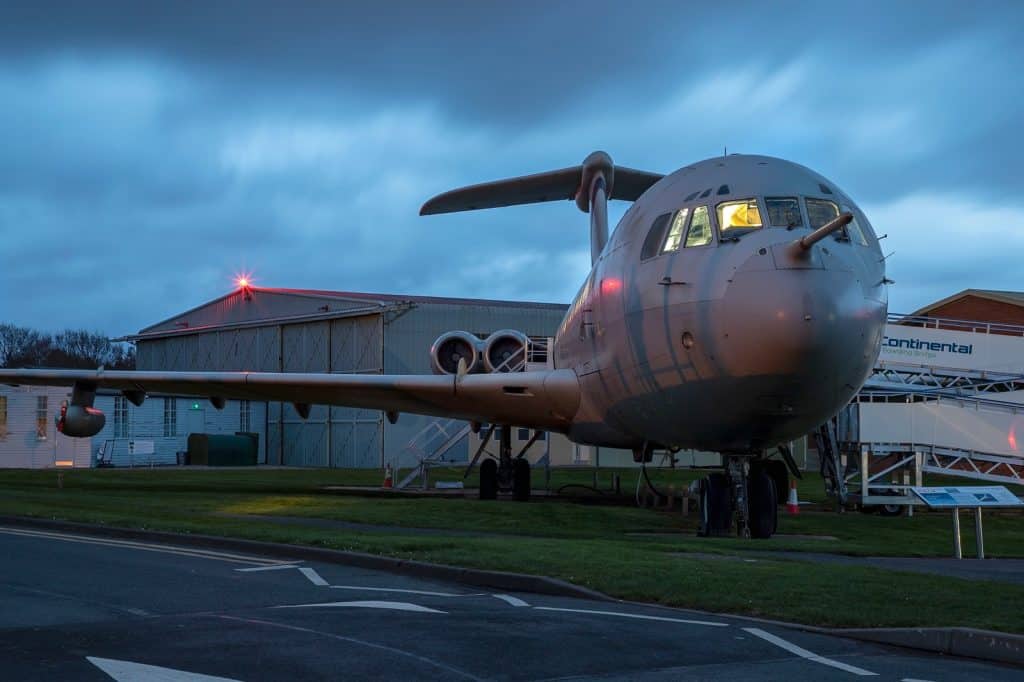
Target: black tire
point(488, 480)
point(715, 506)
point(762, 503)
point(890, 509)
point(779, 473)
point(520, 479)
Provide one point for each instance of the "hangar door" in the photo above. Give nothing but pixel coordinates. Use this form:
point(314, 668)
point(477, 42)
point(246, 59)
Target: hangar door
point(333, 436)
point(357, 345)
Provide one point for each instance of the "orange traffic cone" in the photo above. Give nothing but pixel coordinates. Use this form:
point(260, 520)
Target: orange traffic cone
point(792, 504)
point(388, 477)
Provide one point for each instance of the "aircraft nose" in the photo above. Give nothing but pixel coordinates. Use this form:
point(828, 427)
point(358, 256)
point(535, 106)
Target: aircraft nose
point(809, 335)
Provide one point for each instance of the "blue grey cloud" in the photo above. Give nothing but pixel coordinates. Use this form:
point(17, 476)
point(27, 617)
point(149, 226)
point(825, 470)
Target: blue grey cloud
point(147, 153)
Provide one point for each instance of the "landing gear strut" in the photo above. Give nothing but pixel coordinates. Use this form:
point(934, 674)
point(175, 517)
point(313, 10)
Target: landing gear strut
point(746, 491)
point(508, 473)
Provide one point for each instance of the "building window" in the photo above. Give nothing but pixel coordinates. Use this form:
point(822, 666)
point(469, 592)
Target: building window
point(3, 417)
point(170, 417)
point(244, 416)
point(120, 417)
point(41, 416)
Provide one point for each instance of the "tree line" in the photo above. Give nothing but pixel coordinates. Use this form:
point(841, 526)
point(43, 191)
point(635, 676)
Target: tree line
point(22, 347)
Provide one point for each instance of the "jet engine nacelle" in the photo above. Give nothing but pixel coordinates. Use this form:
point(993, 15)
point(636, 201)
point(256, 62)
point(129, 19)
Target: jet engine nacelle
point(451, 347)
point(505, 351)
point(80, 422)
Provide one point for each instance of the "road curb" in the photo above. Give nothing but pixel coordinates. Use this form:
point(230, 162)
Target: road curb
point(966, 642)
point(985, 645)
point(498, 580)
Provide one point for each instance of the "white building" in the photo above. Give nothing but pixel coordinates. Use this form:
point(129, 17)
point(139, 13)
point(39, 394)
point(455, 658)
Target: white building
point(148, 435)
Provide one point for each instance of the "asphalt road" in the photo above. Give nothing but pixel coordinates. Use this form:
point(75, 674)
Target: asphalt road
point(75, 607)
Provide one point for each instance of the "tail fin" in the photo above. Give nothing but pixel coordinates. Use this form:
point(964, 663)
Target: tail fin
point(568, 183)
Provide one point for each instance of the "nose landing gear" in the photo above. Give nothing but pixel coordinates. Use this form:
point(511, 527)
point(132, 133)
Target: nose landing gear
point(745, 490)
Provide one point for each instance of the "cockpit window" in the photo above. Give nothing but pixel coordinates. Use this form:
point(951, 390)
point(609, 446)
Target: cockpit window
point(738, 215)
point(854, 229)
point(655, 237)
point(783, 212)
point(821, 211)
point(675, 233)
point(700, 228)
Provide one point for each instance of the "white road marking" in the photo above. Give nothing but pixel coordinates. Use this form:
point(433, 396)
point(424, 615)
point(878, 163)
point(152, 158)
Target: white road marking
point(804, 653)
point(126, 671)
point(392, 605)
point(634, 615)
point(313, 576)
point(361, 642)
point(395, 589)
point(509, 599)
point(143, 546)
point(277, 567)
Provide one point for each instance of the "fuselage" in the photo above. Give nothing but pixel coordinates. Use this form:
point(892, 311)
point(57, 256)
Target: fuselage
point(701, 325)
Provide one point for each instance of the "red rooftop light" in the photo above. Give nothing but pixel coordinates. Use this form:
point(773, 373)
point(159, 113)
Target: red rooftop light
point(243, 280)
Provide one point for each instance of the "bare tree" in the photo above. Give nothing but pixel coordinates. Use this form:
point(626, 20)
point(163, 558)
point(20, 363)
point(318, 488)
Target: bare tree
point(72, 348)
point(23, 347)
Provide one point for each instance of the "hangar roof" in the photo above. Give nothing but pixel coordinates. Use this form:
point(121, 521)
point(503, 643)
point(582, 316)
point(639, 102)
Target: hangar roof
point(256, 306)
point(1010, 297)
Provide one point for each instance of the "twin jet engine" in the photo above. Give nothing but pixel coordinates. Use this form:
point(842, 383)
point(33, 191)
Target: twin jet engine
point(502, 351)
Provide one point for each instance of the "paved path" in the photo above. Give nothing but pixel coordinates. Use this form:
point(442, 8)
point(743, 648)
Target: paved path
point(76, 607)
point(1003, 570)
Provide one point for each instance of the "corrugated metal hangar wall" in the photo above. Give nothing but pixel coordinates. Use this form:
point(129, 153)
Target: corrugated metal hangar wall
point(285, 330)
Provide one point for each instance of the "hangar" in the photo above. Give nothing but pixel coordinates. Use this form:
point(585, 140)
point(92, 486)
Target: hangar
point(301, 330)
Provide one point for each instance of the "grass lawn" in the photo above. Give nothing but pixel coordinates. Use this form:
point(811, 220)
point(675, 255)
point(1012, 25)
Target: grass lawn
point(618, 549)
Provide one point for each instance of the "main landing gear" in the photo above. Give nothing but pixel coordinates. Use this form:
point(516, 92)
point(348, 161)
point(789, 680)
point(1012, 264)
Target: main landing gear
point(507, 473)
point(748, 490)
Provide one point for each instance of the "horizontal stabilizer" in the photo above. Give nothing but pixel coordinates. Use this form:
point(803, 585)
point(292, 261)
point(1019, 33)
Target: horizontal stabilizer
point(556, 185)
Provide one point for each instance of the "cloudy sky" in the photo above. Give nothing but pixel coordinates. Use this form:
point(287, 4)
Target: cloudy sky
point(149, 153)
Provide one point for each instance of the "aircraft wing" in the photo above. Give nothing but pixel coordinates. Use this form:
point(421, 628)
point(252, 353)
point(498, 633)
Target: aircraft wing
point(542, 400)
point(531, 189)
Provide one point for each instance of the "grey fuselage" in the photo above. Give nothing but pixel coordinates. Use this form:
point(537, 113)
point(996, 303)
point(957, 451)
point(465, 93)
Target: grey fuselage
point(733, 346)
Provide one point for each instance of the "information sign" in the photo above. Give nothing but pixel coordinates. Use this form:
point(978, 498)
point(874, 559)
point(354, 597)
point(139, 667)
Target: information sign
point(967, 496)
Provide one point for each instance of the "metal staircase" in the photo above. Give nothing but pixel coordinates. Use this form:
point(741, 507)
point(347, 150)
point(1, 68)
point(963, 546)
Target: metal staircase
point(830, 460)
point(429, 447)
point(978, 442)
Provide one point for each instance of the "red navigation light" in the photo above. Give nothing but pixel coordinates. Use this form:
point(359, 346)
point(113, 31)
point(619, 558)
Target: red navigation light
point(611, 285)
point(243, 282)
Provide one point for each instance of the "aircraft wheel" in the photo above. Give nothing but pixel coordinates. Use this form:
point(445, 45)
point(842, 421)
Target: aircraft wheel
point(521, 479)
point(762, 503)
point(715, 506)
point(488, 480)
point(779, 473)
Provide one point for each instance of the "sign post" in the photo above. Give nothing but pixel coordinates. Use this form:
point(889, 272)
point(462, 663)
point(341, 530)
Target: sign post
point(973, 497)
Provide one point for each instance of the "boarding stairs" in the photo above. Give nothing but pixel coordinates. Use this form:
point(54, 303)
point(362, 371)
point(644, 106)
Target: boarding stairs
point(429, 446)
point(931, 416)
